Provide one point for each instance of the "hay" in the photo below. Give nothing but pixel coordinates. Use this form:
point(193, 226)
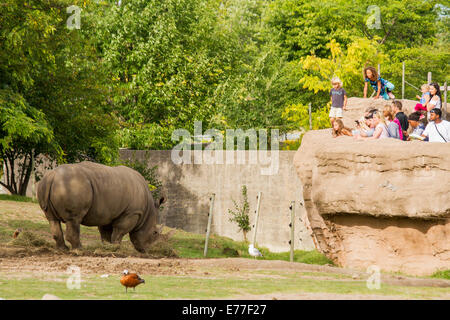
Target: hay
point(29, 239)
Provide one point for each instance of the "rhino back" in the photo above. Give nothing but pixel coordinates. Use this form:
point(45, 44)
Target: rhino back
point(116, 191)
point(95, 194)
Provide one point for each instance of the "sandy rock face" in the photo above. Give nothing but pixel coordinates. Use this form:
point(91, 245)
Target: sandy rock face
point(382, 202)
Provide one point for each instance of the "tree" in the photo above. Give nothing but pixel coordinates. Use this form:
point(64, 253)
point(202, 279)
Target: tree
point(24, 134)
point(167, 59)
point(52, 88)
point(348, 66)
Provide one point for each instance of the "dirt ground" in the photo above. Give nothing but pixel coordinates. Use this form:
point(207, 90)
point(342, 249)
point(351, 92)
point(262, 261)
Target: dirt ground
point(43, 265)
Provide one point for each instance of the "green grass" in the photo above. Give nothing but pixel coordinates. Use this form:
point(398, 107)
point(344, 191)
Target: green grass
point(444, 274)
point(14, 197)
point(28, 225)
point(184, 287)
point(191, 245)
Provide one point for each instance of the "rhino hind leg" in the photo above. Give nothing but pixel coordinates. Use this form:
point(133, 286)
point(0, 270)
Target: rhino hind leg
point(73, 234)
point(56, 230)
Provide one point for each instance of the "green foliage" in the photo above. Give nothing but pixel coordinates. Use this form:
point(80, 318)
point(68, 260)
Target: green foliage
point(240, 214)
point(292, 144)
point(149, 173)
point(443, 274)
point(136, 72)
point(51, 94)
point(297, 117)
point(21, 124)
point(347, 66)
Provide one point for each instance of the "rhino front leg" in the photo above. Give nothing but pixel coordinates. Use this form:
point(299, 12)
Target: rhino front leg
point(56, 230)
point(73, 234)
point(117, 235)
point(124, 225)
point(106, 233)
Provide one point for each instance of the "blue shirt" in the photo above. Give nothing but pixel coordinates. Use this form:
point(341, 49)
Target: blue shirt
point(374, 84)
point(422, 100)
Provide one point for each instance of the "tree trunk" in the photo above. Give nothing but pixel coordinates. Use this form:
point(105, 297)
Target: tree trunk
point(17, 182)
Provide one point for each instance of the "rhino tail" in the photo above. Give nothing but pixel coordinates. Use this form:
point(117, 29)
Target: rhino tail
point(43, 190)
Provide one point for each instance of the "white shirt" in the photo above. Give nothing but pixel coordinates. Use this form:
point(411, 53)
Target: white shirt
point(384, 131)
point(433, 135)
point(436, 103)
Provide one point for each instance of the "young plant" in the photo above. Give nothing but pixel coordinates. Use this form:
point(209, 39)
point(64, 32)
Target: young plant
point(240, 213)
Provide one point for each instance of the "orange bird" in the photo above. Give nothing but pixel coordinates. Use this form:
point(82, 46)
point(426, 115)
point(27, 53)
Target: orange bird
point(130, 280)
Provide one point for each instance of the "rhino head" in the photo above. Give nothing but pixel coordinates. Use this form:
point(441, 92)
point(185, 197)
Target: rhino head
point(149, 232)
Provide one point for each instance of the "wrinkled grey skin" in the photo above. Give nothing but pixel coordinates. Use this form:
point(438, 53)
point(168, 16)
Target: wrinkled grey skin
point(115, 199)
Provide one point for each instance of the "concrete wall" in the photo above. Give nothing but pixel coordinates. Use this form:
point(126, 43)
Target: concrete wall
point(188, 187)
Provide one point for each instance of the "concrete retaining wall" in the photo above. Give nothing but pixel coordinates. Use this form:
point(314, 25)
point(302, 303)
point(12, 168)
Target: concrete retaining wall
point(188, 187)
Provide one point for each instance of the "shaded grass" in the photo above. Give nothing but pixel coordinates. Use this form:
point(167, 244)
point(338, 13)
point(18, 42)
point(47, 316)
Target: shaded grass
point(28, 225)
point(182, 287)
point(14, 197)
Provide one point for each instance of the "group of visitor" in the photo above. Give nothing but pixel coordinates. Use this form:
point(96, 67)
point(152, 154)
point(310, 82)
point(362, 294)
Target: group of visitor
point(425, 123)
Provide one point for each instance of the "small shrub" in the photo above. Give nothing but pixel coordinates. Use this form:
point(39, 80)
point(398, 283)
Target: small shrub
point(443, 274)
point(240, 214)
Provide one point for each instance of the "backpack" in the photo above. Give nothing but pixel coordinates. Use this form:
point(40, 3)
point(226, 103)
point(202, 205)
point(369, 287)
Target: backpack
point(388, 85)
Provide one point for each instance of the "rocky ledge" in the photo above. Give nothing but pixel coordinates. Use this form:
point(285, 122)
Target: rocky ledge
point(381, 202)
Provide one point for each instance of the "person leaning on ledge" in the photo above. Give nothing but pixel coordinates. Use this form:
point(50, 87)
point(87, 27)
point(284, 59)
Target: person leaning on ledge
point(437, 130)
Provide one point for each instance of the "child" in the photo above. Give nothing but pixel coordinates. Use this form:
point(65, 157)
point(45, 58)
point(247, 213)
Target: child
point(338, 99)
point(381, 86)
point(424, 99)
point(340, 130)
point(417, 127)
